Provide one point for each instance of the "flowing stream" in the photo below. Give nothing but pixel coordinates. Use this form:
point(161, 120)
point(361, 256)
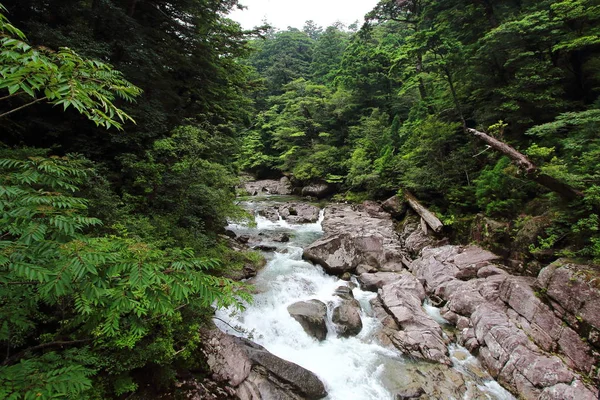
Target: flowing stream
point(359, 367)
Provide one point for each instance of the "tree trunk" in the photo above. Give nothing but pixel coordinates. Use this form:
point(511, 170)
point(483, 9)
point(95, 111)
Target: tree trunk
point(434, 223)
point(531, 170)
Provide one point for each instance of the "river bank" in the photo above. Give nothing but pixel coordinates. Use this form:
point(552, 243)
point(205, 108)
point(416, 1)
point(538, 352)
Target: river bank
point(406, 348)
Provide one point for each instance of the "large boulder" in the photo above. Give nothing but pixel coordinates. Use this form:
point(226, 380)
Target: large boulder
point(299, 213)
point(269, 186)
point(375, 281)
point(412, 237)
point(255, 373)
point(356, 236)
point(396, 206)
point(318, 190)
point(312, 315)
point(343, 253)
point(420, 336)
point(346, 317)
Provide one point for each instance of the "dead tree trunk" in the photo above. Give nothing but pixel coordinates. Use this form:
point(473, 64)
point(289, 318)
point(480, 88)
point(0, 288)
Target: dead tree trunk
point(434, 223)
point(531, 170)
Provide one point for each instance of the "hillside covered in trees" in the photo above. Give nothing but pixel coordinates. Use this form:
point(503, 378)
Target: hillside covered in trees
point(404, 103)
point(126, 123)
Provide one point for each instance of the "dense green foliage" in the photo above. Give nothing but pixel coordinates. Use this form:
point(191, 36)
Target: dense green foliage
point(110, 258)
point(383, 109)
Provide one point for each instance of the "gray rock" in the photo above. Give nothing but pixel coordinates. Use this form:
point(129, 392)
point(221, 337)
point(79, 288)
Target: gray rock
point(254, 372)
point(265, 247)
point(420, 336)
point(312, 315)
point(346, 318)
point(344, 292)
point(269, 186)
point(318, 190)
point(353, 237)
point(376, 281)
point(412, 236)
point(571, 286)
point(299, 213)
point(395, 206)
point(282, 238)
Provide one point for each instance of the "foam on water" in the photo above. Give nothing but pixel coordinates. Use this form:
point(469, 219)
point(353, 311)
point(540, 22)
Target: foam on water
point(434, 312)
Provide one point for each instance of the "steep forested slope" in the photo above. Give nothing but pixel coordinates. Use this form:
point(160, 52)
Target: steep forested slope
point(399, 100)
point(109, 250)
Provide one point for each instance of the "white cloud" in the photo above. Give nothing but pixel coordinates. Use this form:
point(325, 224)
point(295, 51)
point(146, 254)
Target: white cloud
point(284, 13)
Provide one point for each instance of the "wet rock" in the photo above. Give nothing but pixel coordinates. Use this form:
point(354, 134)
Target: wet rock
point(346, 318)
point(353, 238)
point(344, 292)
point(265, 247)
point(374, 282)
point(243, 239)
point(420, 336)
point(575, 288)
point(410, 393)
point(431, 382)
point(230, 233)
point(346, 276)
point(269, 186)
point(372, 208)
point(412, 236)
point(335, 254)
point(395, 206)
point(318, 190)
point(269, 213)
point(312, 315)
point(282, 238)
point(255, 373)
point(299, 213)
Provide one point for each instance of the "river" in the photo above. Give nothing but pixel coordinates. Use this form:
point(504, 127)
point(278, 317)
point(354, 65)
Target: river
point(360, 367)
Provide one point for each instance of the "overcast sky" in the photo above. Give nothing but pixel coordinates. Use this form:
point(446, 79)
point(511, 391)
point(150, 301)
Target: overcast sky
point(284, 13)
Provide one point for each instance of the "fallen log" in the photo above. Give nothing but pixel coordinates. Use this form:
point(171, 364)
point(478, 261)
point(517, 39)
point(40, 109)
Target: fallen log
point(434, 223)
point(531, 170)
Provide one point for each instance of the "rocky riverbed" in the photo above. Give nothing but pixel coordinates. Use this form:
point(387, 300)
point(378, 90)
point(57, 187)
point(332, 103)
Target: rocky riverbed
point(538, 337)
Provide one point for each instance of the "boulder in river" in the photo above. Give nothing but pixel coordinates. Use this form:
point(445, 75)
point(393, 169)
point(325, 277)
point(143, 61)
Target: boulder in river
point(375, 281)
point(420, 336)
point(353, 238)
point(265, 247)
point(346, 318)
point(299, 213)
point(269, 186)
point(344, 292)
point(255, 373)
point(312, 315)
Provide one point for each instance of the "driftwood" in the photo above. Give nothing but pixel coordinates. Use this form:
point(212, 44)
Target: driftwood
point(434, 223)
point(531, 170)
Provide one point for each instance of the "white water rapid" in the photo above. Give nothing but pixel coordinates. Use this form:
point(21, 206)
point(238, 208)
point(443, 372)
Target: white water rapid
point(357, 368)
